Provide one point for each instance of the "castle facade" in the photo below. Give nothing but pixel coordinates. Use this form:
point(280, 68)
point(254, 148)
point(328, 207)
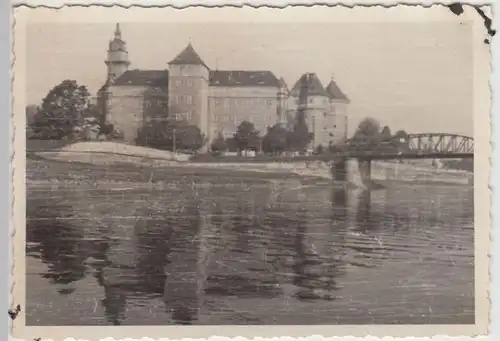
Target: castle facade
point(217, 101)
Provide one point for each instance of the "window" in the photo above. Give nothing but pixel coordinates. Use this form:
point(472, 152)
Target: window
point(178, 82)
point(269, 102)
point(189, 82)
point(189, 99)
point(310, 100)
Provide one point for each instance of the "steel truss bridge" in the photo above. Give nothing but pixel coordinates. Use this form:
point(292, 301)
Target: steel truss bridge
point(414, 146)
point(443, 144)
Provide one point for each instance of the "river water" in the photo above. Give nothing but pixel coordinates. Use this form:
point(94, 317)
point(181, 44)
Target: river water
point(231, 249)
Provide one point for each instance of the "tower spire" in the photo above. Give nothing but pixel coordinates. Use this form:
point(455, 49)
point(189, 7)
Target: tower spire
point(118, 32)
point(117, 60)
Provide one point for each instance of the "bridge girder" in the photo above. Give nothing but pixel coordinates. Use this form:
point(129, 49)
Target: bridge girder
point(440, 143)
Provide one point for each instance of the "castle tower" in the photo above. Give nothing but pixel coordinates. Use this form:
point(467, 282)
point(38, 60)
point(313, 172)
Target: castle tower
point(339, 120)
point(282, 107)
point(188, 90)
point(117, 60)
point(312, 105)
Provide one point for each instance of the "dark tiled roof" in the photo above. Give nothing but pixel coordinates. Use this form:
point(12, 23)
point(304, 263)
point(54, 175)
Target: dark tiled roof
point(335, 92)
point(310, 83)
point(188, 57)
point(143, 78)
point(283, 83)
point(243, 78)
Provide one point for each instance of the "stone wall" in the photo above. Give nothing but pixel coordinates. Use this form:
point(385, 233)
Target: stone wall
point(394, 171)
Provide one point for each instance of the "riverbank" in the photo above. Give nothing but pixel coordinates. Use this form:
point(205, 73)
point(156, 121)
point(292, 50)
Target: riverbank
point(106, 154)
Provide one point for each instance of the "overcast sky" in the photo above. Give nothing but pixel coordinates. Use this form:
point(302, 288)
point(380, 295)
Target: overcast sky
point(411, 76)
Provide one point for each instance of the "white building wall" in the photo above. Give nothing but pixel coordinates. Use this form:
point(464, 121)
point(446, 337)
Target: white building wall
point(229, 106)
point(126, 110)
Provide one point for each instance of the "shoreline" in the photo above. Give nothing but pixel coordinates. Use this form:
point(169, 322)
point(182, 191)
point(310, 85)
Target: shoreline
point(213, 169)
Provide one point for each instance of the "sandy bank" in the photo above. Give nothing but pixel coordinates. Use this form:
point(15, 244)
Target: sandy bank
point(108, 153)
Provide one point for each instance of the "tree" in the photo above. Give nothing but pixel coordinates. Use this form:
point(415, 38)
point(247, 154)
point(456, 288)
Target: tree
point(62, 111)
point(368, 132)
point(385, 134)
point(219, 145)
point(247, 137)
point(401, 134)
point(300, 137)
point(170, 135)
point(31, 112)
point(275, 140)
point(231, 144)
point(319, 150)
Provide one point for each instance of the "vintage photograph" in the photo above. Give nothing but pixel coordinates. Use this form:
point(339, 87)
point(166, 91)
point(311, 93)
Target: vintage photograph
point(210, 168)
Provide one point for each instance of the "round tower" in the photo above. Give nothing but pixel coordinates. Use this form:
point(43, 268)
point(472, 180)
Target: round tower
point(282, 98)
point(117, 60)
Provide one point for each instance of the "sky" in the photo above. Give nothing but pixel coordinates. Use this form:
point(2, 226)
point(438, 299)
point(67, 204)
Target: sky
point(412, 76)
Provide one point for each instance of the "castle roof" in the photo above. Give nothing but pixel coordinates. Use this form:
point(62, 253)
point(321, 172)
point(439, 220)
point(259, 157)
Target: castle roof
point(283, 83)
point(143, 78)
point(310, 83)
point(188, 57)
point(334, 91)
point(243, 78)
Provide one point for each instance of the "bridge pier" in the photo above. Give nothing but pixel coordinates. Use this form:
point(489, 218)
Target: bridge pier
point(365, 170)
point(339, 169)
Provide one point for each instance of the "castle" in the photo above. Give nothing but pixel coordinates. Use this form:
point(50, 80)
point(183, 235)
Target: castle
point(217, 101)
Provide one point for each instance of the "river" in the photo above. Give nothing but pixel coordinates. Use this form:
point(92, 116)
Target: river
point(219, 249)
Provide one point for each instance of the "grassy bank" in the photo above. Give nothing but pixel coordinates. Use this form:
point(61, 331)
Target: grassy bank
point(39, 169)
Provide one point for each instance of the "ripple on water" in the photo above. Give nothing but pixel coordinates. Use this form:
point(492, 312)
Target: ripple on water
point(311, 252)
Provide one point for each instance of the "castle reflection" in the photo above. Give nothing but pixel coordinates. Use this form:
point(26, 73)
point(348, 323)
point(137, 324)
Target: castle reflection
point(209, 243)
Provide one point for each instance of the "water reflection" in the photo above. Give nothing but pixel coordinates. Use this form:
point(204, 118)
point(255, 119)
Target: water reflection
point(214, 243)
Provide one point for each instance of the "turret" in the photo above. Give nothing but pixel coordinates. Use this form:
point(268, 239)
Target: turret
point(117, 60)
point(282, 97)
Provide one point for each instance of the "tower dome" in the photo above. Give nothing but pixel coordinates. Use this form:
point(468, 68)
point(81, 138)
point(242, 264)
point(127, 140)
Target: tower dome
point(117, 60)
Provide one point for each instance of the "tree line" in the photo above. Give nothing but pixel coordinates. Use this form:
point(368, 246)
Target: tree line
point(65, 113)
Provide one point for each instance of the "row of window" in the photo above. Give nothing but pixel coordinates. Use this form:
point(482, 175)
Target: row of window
point(181, 99)
point(251, 118)
point(241, 102)
point(183, 116)
point(324, 101)
point(184, 82)
point(154, 103)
